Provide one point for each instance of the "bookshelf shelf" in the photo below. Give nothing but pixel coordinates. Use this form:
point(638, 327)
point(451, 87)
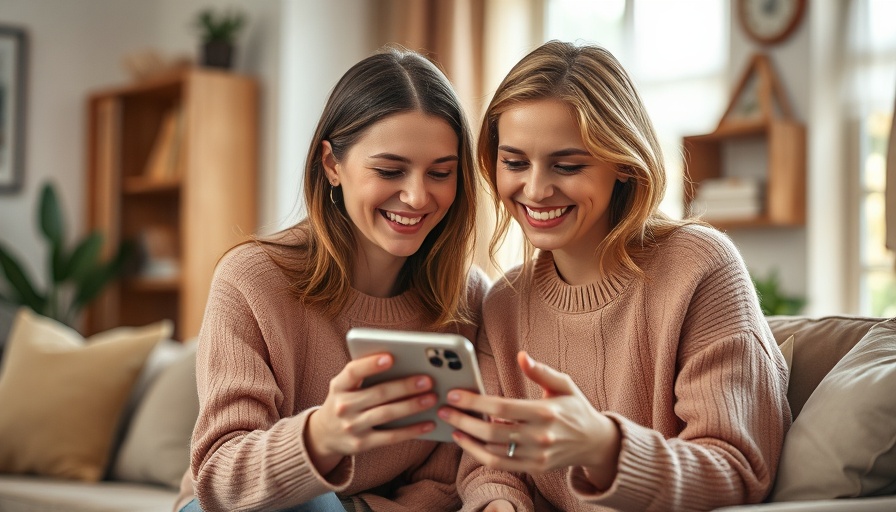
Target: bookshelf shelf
point(172, 165)
point(759, 118)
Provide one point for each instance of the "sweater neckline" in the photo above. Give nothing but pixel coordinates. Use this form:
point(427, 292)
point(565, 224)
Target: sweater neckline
point(575, 298)
point(382, 310)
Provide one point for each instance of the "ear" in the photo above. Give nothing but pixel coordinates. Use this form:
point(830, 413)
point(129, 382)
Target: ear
point(328, 159)
point(621, 176)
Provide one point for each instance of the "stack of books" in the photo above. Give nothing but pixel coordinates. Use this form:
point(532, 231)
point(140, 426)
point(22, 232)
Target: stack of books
point(727, 199)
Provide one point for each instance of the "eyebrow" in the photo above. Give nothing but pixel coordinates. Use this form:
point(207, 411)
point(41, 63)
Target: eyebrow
point(561, 152)
point(398, 158)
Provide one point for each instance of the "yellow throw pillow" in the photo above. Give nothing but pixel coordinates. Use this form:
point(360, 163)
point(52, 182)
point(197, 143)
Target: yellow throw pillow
point(61, 396)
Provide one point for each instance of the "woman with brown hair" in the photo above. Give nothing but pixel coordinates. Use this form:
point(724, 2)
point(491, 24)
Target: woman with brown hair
point(390, 193)
point(637, 370)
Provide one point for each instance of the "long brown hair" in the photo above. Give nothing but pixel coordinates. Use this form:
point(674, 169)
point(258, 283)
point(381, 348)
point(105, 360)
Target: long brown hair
point(392, 81)
point(615, 127)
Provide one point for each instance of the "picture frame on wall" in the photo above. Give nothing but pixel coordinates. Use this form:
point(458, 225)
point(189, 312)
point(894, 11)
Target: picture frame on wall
point(13, 72)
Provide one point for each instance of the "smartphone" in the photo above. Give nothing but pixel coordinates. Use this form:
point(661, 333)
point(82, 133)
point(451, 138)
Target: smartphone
point(449, 359)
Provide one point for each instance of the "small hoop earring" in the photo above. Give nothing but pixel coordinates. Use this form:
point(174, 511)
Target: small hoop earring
point(333, 199)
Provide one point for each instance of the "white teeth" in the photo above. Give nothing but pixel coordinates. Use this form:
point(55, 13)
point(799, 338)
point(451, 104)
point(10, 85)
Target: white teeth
point(547, 215)
point(407, 221)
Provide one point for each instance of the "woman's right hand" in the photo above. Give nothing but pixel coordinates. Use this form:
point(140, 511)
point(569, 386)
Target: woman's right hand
point(344, 424)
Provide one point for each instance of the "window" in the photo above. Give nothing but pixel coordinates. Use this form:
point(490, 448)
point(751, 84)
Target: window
point(871, 75)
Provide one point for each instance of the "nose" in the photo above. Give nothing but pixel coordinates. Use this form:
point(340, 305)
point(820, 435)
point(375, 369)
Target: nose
point(538, 185)
point(414, 193)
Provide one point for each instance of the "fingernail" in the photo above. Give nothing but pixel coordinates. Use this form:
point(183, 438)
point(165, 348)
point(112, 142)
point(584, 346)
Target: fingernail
point(530, 361)
point(454, 397)
point(422, 383)
point(444, 414)
point(427, 401)
point(382, 361)
point(428, 427)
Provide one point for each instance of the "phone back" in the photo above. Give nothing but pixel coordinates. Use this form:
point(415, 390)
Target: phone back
point(449, 359)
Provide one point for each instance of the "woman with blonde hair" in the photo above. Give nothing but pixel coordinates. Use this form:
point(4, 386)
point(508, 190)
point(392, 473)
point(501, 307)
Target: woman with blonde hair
point(636, 368)
point(390, 193)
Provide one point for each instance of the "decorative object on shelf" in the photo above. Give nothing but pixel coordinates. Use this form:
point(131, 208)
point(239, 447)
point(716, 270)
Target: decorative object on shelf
point(13, 70)
point(149, 63)
point(730, 198)
point(759, 119)
point(770, 21)
point(219, 32)
point(773, 300)
point(75, 277)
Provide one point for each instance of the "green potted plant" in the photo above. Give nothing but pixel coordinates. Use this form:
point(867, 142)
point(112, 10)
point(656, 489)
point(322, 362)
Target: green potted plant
point(74, 276)
point(772, 299)
point(219, 31)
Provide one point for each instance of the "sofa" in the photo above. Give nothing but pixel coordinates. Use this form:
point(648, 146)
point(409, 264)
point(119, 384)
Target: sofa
point(131, 448)
point(150, 448)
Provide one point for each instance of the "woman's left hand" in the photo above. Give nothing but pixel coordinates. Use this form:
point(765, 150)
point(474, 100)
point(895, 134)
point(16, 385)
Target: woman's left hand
point(535, 436)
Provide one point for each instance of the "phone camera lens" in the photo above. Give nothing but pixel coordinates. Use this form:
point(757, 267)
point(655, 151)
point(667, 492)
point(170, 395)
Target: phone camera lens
point(450, 354)
point(437, 362)
point(455, 364)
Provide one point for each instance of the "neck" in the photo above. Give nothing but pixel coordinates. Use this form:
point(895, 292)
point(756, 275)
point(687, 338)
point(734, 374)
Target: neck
point(377, 277)
point(577, 269)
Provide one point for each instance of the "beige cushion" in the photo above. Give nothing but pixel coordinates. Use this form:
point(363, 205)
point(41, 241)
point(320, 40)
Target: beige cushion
point(818, 343)
point(843, 444)
point(62, 395)
point(156, 448)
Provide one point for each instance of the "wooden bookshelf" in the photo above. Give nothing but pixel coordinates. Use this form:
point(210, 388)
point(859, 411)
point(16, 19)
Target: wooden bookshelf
point(758, 114)
point(176, 155)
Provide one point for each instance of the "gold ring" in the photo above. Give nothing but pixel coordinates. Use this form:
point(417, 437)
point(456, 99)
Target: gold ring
point(511, 448)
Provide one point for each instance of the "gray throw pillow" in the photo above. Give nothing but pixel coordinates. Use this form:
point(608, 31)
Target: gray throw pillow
point(156, 447)
point(843, 443)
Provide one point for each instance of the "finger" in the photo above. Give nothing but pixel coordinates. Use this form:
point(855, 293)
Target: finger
point(479, 451)
point(383, 414)
point(508, 410)
point(355, 371)
point(500, 432)
point(552, 382)
point(388, 437)
point(386, 392)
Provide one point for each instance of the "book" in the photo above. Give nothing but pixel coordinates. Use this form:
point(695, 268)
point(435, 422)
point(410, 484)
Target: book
point(162, 162)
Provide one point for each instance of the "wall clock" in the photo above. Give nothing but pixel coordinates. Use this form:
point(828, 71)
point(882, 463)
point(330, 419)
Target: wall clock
point(770, 21)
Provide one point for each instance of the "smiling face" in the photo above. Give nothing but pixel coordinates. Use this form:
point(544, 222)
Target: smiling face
point(397, 183)
point(555, 189)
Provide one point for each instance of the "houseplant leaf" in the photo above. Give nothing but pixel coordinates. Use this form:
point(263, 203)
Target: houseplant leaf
point(95, 278)
point(85, 257)
point(20, 283)
point(50, 217)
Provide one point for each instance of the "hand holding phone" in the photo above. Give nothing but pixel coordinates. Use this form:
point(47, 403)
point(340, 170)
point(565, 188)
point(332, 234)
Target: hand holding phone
point(448, 359)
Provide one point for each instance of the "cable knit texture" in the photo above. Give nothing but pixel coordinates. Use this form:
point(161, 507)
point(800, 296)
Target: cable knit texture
point(681, 359)
point(264, 362)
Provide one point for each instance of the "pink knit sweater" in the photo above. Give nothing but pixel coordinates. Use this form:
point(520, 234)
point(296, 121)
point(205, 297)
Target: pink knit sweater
point(683, 361)
point(264, 363)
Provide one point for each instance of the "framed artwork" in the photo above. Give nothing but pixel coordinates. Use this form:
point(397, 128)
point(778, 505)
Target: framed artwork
point(13, 70)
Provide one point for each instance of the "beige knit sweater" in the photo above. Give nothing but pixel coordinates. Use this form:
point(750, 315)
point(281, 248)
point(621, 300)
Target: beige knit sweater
point(264, 363)
point(683, 361)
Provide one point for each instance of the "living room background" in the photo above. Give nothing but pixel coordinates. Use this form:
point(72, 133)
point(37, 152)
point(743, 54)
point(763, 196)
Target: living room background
point(297, 48)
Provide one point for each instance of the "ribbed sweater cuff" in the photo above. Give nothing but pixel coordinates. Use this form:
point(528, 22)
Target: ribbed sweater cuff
point(488, 492)
point(637, 475)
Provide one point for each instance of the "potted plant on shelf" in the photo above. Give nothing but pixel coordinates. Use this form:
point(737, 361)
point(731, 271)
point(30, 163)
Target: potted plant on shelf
point(74, 277)
point(219, 32)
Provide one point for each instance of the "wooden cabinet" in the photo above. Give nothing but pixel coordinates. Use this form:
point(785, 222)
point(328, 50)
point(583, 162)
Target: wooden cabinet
point(172, 166)
point(758, 118)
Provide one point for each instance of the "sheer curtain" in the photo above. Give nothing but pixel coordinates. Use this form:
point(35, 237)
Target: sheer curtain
point(869, 97)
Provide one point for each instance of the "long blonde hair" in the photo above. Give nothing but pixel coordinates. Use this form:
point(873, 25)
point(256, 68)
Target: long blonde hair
point(392, 81)
point(615, 127)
